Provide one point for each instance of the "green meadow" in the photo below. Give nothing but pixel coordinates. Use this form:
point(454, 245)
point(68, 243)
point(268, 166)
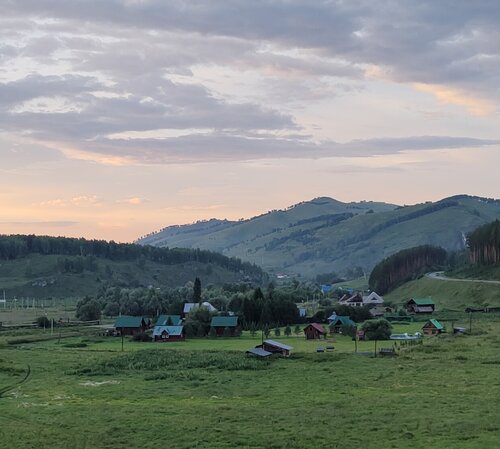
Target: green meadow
point(79, 390)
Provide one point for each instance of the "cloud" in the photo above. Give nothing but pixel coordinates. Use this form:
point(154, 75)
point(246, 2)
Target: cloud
point(135, 201)
point(78, 201)
point(41, 224)
point(75, 75)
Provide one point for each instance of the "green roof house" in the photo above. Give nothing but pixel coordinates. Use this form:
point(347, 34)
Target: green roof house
point(131, 325)
point(340, 321)
point(433, 327)
point(420, 305)
point(175, 320)
point(225, 325)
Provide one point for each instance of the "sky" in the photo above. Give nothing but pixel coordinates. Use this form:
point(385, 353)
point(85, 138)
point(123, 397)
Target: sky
point(120, 117)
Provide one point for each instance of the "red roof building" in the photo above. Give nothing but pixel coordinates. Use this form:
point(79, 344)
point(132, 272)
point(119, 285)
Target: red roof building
point(314, 331)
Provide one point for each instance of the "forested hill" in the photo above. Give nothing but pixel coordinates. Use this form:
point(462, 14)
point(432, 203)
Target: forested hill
point(42, 266)
point(325, 235)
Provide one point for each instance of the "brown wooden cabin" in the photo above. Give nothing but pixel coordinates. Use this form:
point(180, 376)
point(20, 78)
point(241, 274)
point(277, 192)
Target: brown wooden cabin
point(314, 331)
point(433, 327)
point(131, 325)
point(420, 305)
point(221, 323)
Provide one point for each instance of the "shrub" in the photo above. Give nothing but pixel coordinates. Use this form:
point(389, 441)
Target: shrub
point(43, 321)
point(142, 337)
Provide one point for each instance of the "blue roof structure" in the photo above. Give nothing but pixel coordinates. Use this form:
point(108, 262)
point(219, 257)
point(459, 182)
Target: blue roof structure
point(277, 344)
point(171, 330)
point(163, 319)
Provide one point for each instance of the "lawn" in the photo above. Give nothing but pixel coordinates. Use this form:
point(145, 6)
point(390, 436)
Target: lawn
point(206, 394)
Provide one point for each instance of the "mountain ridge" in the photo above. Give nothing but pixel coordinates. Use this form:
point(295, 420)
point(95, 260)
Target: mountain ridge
point(325, 235)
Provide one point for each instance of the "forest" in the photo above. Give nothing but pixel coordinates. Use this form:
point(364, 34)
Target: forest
point(404, 266)
point(484, 244)
point(18, 246)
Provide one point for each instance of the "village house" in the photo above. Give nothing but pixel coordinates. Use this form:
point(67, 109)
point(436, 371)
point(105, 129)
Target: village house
point(433, 327)
point(225, 325)
point(169, 333)
point(339, 322)
point(314, 331)
point(131, 325)
point(420, 305)
point(360, 300)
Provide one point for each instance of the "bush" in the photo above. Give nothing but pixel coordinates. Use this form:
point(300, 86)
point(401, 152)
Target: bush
point(43, 321)
point(377, 329)
point(142, 337)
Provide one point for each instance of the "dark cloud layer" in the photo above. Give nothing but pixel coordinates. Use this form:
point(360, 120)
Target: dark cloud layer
point(114, 66)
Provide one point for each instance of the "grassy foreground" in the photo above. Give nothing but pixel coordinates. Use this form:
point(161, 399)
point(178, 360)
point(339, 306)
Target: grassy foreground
point(84, 393)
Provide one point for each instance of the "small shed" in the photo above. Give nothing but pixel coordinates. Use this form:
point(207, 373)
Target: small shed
point(169, 333)
point(433, 327)
point(420, 305)
point(163, 320)
point(221, 323)
point(314, 331)
point(340, 321)
point(131, 325)
point(259, 353)
point(275, 347)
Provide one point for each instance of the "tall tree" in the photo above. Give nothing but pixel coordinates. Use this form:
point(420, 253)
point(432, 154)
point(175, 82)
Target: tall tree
point(197, 290)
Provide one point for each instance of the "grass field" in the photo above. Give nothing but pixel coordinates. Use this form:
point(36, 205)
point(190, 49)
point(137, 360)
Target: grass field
point(83, 392)
point(450, 295)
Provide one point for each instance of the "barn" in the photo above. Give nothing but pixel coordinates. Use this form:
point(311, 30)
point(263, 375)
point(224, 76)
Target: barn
point(131, 325)
point(169, 333)
point(314, 331)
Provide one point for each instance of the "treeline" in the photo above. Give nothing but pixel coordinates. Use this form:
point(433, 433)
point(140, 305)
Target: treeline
point(484, 244)
point(405, 265)
point(18, 246)
point(254, 307)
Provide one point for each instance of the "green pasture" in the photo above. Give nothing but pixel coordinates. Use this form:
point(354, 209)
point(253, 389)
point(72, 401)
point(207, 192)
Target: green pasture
point(83, 392)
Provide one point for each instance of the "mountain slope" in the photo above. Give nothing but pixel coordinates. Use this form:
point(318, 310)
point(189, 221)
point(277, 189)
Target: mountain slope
point(325, 235)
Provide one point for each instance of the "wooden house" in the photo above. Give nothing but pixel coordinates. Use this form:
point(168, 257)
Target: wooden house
point(314, 331)
point(420, 305)
point(275, 347)
point(225, 325)
point(169, 320)
point(131, 325)
point(433, 327)
point(169, 333)
point(339, 322)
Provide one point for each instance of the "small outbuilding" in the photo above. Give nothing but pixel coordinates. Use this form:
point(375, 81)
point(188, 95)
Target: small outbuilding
point(314, 331)
point(433, 327)
point(259, 353)
point(420, 305)
point(225, 325)
point(169, 333)
point(131, 325)
point(275, 347)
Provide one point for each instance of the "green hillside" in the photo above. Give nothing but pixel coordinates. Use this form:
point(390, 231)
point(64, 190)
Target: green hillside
point(324, 235)
point(58, 272)
point(450, 295)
